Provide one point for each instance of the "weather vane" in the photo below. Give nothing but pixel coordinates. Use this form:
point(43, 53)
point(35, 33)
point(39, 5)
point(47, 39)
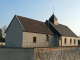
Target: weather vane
point(53, 10)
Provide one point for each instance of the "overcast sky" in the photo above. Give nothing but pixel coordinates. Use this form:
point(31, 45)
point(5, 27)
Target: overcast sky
point(66, 11)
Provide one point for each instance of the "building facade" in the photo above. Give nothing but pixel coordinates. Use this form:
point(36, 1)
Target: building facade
point(26, 32)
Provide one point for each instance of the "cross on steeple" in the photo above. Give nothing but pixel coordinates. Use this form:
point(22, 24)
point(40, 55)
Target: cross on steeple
point(53, 10)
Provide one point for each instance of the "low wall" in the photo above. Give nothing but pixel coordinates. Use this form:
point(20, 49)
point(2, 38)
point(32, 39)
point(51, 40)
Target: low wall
point(57, 53)
point(16, 54)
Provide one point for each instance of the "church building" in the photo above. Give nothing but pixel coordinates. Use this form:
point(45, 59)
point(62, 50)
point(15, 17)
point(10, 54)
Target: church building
point(26, 32)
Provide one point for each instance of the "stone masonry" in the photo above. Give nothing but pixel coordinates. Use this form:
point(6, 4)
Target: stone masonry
point(57, 53)
point(54, 53)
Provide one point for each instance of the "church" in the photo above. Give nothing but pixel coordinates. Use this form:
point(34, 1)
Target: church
point(27, 32)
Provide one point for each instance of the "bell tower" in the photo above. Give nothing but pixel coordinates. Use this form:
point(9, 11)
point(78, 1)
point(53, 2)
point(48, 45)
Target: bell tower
point(53, 19)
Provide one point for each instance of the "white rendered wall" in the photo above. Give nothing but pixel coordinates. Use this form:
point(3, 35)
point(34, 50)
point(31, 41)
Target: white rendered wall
point(51, 41)
point(14, 34)
point(68, 41)
point(41, 40)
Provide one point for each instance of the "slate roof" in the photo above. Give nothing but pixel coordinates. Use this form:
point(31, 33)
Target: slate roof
point(63, 30)
point(31, 25)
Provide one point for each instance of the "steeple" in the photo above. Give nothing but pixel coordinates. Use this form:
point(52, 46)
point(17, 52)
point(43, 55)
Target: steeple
point(53, 19)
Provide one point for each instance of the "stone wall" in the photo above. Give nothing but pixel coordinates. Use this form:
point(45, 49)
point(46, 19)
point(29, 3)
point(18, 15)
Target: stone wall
point(57, 53)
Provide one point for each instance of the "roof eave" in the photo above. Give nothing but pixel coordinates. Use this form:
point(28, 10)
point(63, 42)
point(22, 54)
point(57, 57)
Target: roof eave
point(9, 24)
point(71, 36)
point(39, 32)
point(20, 22)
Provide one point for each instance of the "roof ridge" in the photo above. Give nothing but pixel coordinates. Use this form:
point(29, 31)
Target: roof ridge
point(62, 24)
point(31, 19)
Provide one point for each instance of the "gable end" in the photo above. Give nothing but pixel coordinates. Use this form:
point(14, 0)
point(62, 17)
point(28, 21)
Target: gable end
point(19, 22)
point(12, 21)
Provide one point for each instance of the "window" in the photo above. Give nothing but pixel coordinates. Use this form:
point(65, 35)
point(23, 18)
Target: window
point(65, 40)
point(47, 37)
point(70, 41)
point(74, 41)
point(34, 39)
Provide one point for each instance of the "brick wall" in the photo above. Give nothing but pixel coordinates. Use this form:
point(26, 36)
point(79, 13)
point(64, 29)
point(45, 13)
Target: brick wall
point(57, 53)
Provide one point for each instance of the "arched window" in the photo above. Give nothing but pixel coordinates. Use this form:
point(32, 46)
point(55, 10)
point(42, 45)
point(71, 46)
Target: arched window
point(74, 41)
point(70, 41)
point(65, 40)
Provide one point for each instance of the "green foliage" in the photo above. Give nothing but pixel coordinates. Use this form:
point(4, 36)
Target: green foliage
point(0, 34)
point(78, 41)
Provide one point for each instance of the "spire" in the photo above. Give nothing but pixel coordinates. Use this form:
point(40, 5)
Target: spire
point(53, 19)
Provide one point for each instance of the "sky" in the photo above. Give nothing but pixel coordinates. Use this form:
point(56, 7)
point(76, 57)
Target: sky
point(66, 11)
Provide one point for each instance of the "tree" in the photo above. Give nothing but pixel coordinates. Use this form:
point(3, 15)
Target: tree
point(1, 35)
point(78, 41)
point(78, 37)
point(3, 31)
point(1, 38)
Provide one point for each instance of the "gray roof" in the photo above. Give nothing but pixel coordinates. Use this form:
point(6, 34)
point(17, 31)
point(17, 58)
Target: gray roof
point(63, 30)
